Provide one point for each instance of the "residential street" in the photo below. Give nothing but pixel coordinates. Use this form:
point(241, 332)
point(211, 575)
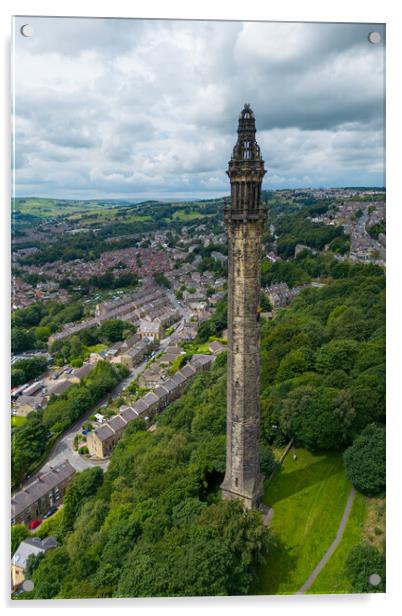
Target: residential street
point(63, 449)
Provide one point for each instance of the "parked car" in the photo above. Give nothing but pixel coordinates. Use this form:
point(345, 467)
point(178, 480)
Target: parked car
point(35, 523)
point(49, 512)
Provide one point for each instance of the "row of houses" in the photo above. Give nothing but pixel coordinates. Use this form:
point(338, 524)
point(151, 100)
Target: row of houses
point(149, 301)
point(280, 294)
point(101, 441)
point(149, 293)
point(45, 492)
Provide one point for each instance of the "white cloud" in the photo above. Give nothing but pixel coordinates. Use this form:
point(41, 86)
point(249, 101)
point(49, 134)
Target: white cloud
point(143, 107)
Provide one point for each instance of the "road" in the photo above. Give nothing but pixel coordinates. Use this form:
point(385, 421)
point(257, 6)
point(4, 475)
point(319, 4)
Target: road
point(64, 450)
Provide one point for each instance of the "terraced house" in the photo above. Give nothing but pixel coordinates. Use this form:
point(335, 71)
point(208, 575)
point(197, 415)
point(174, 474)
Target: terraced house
point(46, 491)
point(101, 441)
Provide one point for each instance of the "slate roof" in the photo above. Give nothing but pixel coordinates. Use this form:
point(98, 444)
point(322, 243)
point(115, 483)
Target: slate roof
point(60, 388)
point(150, 398)
point(216, 346)
point(117, 423)
point(152, 327)
point(188, 371)
point(41, 486)
point(35, 402)
point(170, 385)
point(128, 414)
point(129, 342)
point(161, 392)
point(178, 378)
point(201, 360)
point(103, 432)
point(84, 371)
point(140, 406)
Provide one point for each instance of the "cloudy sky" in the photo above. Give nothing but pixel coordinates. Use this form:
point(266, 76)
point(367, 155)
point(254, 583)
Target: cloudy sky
point(149, 108)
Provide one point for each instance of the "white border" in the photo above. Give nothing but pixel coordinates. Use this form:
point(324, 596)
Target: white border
point(286, 10)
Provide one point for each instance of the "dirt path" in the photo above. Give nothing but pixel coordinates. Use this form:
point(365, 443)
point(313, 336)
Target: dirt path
point(312, 577)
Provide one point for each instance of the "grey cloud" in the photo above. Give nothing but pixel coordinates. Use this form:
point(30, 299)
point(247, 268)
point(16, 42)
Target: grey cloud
point(150, 107)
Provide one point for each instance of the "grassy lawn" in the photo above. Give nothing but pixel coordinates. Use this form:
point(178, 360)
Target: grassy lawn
point(96, 348)
point(332, 578)
point(308, 496)
point(17, 421)
point(192, 347)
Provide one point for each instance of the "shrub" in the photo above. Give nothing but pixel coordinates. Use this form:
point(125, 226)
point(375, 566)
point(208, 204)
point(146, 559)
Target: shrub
point(363, 561)
point(365, 460)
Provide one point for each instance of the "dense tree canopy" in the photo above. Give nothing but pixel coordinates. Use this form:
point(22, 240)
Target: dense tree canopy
point(157, 526)
point(26, 369)
point(363, 562)
point(323, 363)
point(31, 327)
point(365, 460)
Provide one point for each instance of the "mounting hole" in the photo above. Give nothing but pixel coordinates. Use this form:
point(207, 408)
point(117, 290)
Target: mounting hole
point(26, 30)
point(374, 579)
point(28, 585)
point(374, 37)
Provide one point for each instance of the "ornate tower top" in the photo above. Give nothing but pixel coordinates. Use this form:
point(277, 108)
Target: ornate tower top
point(246, 147)
point(246, 170)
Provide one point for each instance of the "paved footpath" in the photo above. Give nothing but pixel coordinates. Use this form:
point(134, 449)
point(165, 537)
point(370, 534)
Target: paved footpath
point(312, 577)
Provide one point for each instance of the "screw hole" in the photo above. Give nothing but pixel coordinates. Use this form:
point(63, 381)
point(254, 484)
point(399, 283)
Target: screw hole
point(26, 30)
point(374, 37)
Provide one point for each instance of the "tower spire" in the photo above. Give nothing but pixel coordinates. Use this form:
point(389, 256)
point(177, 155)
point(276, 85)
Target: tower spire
point(244, 219)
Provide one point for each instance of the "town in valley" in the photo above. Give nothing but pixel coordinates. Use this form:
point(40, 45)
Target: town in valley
point(117, 306)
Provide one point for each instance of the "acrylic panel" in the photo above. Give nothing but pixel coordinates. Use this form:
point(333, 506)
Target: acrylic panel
point(198, 308)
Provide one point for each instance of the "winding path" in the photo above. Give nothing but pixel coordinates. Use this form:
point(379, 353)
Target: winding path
point(312, 577)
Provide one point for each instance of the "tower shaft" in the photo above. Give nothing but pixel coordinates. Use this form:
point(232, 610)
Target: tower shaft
point(244, 220)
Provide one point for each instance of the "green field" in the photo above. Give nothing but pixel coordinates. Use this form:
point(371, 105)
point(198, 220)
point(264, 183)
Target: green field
point(187, 215)
point(308, 496)
point(100, 217)
point(50, 208)
point(17, 421)
point(332, 578)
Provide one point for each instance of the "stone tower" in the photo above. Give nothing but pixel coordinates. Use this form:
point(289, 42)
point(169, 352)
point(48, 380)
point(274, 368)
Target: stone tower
point(244, 219)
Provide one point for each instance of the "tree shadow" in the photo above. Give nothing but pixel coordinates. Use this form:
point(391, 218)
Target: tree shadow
point(287, 484)
point(278, 568)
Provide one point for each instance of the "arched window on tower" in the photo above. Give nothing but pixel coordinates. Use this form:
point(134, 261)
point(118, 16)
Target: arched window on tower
point(246, 149)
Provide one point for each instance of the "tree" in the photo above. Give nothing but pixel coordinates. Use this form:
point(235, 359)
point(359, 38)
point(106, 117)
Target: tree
point(350, 323)
point(17, 377)
point(337, 355)
point(19, 532)
point(268, 461)
point(82, 487)
point(50, 573)
point(21, 340)
point(112, 330)
point(364, 561)
point(33, 563)
point(264, 303)
point(28, 442)
point(217, 554)
point(318, 417)
point(295, 362)
point(161, 279)
point(365, 461)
